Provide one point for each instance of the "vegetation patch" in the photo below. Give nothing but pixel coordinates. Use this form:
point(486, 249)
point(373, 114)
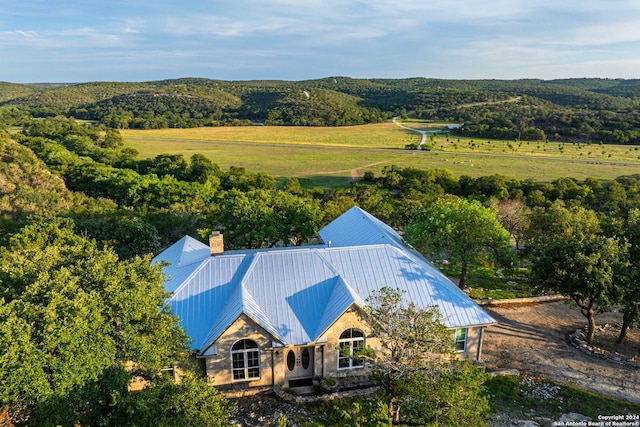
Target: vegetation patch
point(526, 397)
point(311, 153)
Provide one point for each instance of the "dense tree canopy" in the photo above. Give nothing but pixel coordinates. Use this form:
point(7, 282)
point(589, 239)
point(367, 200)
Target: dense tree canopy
point(77, 209)
point(264, 218)
point(572, 110)
point(460, 231)
point(421, 381)
point(76, 325)
point(628, 280)
point(570, 255)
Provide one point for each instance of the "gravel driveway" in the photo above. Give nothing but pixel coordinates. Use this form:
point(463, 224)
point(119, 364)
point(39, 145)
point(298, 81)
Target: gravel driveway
point(533, 338)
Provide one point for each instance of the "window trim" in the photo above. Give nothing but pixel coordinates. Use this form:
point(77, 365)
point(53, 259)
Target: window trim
point(353, 342)
point(457, 340)
point(246, 354)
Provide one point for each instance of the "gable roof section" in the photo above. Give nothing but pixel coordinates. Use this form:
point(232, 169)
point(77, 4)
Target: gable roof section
point(294, 287)
point(183, 257)
point(357, 227)
point(240, 301)
point(203, 298)
point(297, 293)
point(370, 268)
point(342, 297)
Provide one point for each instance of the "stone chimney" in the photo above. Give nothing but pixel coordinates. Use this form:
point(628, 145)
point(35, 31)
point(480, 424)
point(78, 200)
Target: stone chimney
point(216, 243)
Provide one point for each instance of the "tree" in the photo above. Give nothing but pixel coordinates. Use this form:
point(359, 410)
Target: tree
point(76, 323)
point(560, 220)
point(570, 256)
point(202, 169)
point(167, 164)
point(247, 219)
point(27, 187)
point(127, 234)
point(297, 218)
point(462, 231)
point(163, 403)
point(630, 294)
point(421, 381)
point(263, 218)
point(513, 215)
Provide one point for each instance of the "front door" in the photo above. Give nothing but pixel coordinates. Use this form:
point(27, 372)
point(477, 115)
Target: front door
point(299, 362)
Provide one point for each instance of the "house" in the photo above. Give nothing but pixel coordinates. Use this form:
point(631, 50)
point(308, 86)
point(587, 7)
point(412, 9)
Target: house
point(278, 316)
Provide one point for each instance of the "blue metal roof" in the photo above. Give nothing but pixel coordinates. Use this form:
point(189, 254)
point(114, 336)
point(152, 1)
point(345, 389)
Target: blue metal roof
point(296, 293)
point(358, 227)
point(184, 257)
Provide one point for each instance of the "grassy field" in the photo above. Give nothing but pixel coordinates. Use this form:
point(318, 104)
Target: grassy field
point(332, 157)
point(381, 135)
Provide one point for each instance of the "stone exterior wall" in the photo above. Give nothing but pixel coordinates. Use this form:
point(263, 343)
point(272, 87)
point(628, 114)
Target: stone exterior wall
point(473, 348)
point(272, 360)
point(351, 319)
point(218, 367)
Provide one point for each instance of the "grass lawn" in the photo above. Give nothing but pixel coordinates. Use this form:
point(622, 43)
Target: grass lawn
point(333, 157)
point(380, 135)
point(485, 282)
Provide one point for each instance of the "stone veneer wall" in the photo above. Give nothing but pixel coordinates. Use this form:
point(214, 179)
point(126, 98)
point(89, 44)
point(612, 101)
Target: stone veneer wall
point(218, 367)
point(272, 364)
point(474, 343)
point(345, 377)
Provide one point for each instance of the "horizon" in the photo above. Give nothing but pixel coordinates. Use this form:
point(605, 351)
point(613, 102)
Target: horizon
point(74, 41)
point(55, 83)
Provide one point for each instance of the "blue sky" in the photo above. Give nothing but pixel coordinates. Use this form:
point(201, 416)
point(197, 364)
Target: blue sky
point(135, 40)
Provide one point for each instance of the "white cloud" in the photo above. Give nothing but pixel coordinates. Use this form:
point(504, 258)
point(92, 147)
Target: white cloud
point(624, 31)
point(26, 34)
point(494, 38)
point(222, 26)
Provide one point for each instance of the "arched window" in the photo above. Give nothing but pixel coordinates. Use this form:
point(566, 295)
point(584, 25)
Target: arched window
point(245, 360)
point(350, 342)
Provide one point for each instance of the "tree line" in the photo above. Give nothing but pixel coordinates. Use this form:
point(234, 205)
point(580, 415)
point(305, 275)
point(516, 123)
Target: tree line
point(168, 196)
point(571, 110)
point(81, 215)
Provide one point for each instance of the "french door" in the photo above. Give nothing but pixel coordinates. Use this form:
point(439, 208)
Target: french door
point(299, 362)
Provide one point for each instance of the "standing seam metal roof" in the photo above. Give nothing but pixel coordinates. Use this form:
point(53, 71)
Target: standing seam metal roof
point(296, 293)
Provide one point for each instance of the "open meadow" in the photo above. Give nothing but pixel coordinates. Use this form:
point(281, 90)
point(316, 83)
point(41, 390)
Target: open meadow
point(334, 156)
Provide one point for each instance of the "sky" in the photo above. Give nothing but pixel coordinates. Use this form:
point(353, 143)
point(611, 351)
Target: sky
point(136, 40)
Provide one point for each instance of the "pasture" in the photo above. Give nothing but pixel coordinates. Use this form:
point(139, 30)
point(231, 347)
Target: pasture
point(332, 157)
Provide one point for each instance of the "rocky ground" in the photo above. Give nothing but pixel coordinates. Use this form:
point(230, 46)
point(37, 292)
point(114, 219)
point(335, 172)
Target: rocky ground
point(534, 340)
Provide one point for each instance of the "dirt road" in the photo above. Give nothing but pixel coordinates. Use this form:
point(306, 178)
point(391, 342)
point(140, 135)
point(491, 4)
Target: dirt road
point(533, 339)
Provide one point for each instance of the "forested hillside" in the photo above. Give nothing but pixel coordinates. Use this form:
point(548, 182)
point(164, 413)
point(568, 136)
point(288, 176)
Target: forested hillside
point(28, 188)
point(572, 110)
point(81, 215)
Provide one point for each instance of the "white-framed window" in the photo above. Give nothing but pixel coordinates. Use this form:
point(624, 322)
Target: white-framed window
point(350, 342)
point(245, 360)
point(461, 339)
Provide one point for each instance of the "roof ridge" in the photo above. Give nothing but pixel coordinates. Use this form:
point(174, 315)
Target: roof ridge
point(241, 301)
point(190, 243)
point(254, 311)
point(328, 317)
